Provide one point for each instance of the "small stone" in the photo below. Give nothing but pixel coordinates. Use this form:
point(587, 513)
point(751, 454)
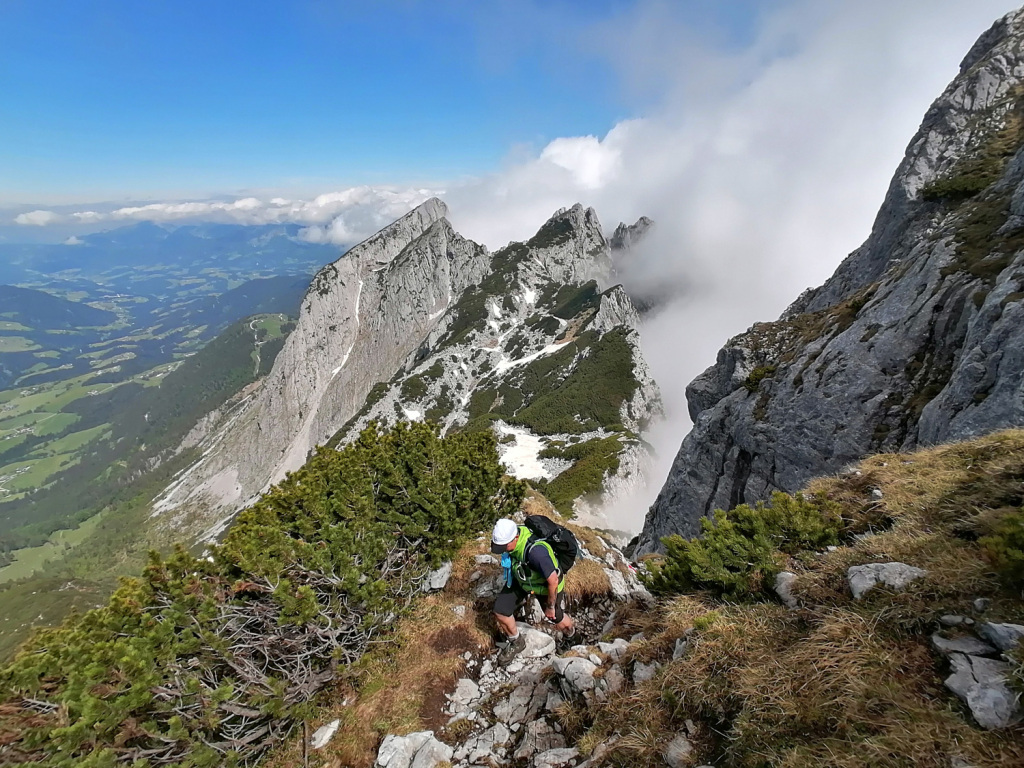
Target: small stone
point(466, 691)
point(783, 588)
point(614, 680)
point(863, 578)
point(614, 650)
point(679, 649)
point(595, 659)
point(1005, 637)
point(876, 493)
point(677, 752)
point(475, 575)
point(981, 604)
point(485, 560)
point(459, 610)
point(968, 644)
point(637, 637)
point(324, 734)
point(553, 701)
point(951, 620)
point(644, 672)
point(467, 655)
point(555, 758)
point(538, 644)
point(438, 579)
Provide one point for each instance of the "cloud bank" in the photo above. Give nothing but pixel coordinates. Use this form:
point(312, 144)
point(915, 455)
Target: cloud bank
point(763, 166)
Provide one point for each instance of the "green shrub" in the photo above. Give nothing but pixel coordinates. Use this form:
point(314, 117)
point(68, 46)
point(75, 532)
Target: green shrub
point(1005, 547)
point(593, 459)
point(739, 551)
point(753, 381)
point(207, 661)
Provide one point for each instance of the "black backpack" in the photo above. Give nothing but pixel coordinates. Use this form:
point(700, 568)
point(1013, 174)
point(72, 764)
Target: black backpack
point(560, 538)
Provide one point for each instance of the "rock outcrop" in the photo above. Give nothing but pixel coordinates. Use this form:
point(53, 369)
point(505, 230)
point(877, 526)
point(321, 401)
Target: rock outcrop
point(417, 323)
point(918, 337)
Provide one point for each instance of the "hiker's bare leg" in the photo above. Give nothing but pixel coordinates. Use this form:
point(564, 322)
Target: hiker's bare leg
point(507, 624)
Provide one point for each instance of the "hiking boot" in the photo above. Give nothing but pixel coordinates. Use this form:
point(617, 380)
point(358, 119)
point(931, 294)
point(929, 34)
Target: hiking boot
point(567, 641)
point(512, 649)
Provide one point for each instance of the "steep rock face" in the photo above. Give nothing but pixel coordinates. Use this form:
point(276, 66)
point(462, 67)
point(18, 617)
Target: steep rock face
point(917, 338)
point(418, 322)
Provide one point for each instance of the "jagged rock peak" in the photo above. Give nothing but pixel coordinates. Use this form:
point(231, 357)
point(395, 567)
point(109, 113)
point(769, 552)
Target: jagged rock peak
point(918, 337)
point(626, 236)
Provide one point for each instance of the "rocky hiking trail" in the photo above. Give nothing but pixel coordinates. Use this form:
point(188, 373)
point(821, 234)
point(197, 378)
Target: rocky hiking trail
point(488, 714)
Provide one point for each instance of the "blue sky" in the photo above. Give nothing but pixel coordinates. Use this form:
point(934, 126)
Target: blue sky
point(126, 99)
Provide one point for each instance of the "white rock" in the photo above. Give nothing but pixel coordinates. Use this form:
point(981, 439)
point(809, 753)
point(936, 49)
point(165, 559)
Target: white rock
point(485, 560)
point(398, 751)
point(538, 644)
point(459, 610)
point(783, 588)
point(677, 752)
point(615, 649)
point(525, 701)
point(679, 649)
point(466, 692)
point(617, 583)
point(577, 675)
point(431, 754)
point(863, 578)
point(538, 736)
point(595, 659)
point(483, 745)
point(644, 672)
point(555, 758)
point(614, 680)
point(438, 579)
point(324, 734)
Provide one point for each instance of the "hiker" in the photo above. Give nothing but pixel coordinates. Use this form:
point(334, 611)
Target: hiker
point(531, 567)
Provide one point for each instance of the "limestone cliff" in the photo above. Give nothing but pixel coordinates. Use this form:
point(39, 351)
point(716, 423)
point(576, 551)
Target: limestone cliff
point(418, 322)
point(917, 338)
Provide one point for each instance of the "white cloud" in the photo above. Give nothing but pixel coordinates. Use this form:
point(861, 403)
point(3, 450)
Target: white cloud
point(341, 218)
point(37, 218)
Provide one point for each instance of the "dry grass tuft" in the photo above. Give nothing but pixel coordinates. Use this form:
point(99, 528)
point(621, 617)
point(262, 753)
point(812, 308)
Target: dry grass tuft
point(586, 581)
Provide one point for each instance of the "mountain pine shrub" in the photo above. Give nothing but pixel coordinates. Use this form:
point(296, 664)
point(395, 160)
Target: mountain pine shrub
point(740, 550)
point(206, 661)
point(1005, 548)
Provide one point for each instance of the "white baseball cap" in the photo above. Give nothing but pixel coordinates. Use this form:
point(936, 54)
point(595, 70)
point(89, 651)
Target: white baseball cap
point(505, 530)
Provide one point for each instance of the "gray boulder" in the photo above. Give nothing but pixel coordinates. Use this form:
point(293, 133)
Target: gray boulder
point(577, 675)
point(538, 644)
point(864, 578)
point(617, 584)
point(525, 701)
point(438, 579)
point(983, 685)
point(967, 644)
point(1005, 637)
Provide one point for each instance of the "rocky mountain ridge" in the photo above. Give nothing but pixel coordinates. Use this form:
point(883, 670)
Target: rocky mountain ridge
point(915, 340)
point(418, 322)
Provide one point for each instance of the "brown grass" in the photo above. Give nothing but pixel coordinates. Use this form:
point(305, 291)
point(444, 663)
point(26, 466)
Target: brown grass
point(400, 686)
point(586, 581)
point(838, 682)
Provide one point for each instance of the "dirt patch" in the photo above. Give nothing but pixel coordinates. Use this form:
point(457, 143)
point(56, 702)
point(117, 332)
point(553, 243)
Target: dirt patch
point(457, 639)
point(435, 691)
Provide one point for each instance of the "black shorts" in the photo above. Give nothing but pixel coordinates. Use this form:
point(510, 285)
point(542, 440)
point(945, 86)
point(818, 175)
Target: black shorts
point(511, 598)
